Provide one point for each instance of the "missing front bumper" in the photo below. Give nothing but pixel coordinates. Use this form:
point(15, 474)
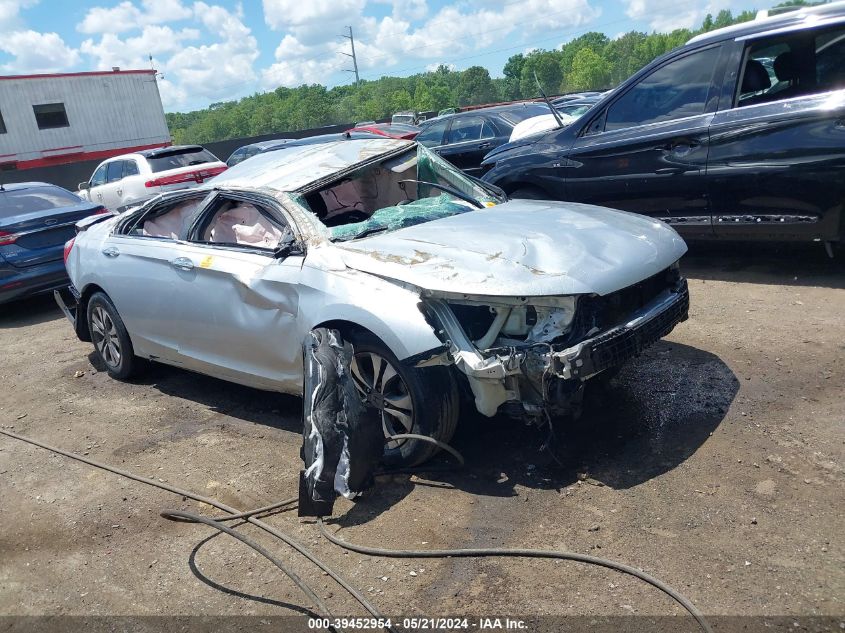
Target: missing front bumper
point(625, 341)
point(495, 376)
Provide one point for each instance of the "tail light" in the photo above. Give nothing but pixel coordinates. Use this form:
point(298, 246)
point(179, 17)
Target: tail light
point(8, 238)
point(197, 176)
point(101, 211)
point(68, 249)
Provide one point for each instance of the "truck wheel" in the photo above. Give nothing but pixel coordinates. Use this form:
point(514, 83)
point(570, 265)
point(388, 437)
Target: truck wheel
point(409, 399)
point(110, 338)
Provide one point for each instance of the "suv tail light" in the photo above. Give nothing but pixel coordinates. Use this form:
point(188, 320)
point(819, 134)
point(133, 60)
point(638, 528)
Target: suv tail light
point(8, 238)
point(197, 176)
point(101, 211)
point(68, 248)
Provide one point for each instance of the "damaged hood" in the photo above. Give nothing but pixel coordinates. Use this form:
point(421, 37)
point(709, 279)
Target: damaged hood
point(521, 248)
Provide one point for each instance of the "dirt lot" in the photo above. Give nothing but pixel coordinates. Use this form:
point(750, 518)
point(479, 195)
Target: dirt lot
point(714, 462)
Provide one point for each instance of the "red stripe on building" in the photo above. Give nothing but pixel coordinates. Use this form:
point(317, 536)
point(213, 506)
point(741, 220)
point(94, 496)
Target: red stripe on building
point(77, 157)
point(92, 73)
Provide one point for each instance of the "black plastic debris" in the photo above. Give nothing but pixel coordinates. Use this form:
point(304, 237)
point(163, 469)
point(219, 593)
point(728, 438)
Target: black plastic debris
point(342, 439)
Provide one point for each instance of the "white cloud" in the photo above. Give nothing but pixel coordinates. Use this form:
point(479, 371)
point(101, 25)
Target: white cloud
point(407, 9)
point(402, 37)
point(133, 52)
point(287, 14)
point(36, 52)
point(664, 17)
point(127, 16)
point(10, 13)
point(391, 40)
point(216, 71)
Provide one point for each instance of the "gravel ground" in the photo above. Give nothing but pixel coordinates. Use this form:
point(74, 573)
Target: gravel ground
point(714, 461)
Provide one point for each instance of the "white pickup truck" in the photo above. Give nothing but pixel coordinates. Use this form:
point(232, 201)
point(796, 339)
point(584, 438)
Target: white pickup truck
point(129, 179)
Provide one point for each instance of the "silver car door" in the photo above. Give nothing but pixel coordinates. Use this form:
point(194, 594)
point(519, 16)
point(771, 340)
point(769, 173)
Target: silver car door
point(239, 305)
point(142, 276)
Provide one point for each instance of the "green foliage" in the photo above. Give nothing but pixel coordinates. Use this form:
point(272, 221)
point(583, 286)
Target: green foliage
point(589, 62)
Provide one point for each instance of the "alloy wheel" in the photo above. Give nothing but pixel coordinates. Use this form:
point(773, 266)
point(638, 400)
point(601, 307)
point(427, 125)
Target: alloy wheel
point(381, 386)
point(106, 340)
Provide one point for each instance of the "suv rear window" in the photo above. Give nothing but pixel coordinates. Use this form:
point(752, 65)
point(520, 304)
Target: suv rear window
point(17, 201)
point(176, 158)
point(793, 65)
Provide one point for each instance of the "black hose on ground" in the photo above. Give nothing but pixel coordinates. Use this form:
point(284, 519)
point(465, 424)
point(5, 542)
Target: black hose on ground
point(520, 553)
point(180, 515)
point(362, 600)
point(361, 549)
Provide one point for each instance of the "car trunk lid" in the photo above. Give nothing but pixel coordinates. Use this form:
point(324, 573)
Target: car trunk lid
point(37, 237)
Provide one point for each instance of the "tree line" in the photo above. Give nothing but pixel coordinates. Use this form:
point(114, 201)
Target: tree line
point(592, 61)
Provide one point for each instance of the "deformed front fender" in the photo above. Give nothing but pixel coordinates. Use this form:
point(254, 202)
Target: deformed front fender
point(387, 309)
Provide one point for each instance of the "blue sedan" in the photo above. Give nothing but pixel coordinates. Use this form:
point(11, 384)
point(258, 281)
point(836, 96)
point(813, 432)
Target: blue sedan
point(36, 219)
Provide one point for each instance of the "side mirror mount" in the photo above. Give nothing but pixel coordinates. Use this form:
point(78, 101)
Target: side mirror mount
point(288, 246)
point(84, 185)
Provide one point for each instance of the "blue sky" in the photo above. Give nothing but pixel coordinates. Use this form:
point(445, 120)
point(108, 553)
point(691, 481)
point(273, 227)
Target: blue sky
point(216, 50)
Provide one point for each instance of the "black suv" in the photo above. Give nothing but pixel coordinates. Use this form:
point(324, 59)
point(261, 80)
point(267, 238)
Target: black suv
point(740, 134)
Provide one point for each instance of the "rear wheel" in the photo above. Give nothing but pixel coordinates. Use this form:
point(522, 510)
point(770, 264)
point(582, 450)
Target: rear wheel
point(409, 399)
point(110, 338)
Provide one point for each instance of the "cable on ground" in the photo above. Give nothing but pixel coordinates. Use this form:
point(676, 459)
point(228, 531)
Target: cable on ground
point(361, 549)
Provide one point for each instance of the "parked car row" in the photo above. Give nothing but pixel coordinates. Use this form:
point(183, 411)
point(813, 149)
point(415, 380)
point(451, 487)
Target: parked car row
point(738, 134)
point(370, 237)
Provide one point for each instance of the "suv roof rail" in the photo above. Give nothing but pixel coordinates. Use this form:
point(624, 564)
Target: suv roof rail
point(782, 16)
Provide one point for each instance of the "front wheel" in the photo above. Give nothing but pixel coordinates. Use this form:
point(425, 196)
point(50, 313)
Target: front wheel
point(409, 399)
point(110, 338)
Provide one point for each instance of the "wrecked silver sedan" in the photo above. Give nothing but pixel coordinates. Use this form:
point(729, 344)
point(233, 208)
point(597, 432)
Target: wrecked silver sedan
point(441, 284)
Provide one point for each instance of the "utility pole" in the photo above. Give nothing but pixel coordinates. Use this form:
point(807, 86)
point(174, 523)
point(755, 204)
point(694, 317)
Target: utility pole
point(354, 59)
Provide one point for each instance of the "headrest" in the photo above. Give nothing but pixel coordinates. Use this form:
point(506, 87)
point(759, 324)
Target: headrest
point(755, 78)
point(786, 66)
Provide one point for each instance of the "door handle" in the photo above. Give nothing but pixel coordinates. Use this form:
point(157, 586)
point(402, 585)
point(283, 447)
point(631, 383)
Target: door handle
point(681, 146)
point(120, 191)
point(485, 145)
point(111, 251)
point(182, 263)
point(99, 196)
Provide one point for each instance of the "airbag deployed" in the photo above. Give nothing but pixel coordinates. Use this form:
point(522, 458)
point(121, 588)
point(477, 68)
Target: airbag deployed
point(342, 440)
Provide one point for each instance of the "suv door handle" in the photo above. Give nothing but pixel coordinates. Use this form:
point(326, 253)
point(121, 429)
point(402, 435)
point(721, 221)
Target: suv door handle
point(485, 145)
point(182, 263)
point(120, 191)
point(681, 146)
point(111, 251)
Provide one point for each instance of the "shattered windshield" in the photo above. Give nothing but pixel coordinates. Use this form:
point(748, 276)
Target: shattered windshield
point(411, 188)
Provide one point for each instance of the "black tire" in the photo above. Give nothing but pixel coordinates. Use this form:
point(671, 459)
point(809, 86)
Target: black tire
point(529, 193)
point(433, 396)
point(110, 338)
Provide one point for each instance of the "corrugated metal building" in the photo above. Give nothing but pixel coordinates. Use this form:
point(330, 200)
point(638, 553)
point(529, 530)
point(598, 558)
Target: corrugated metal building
point(64, 118)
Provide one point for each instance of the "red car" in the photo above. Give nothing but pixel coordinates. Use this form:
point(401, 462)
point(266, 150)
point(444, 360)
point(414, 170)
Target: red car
point(391, 130)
